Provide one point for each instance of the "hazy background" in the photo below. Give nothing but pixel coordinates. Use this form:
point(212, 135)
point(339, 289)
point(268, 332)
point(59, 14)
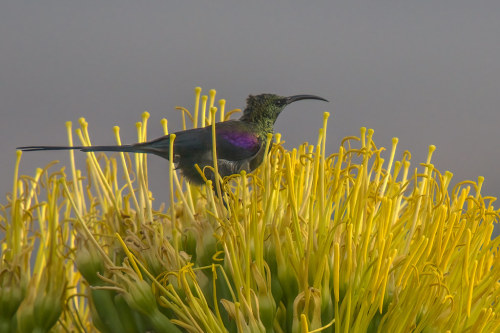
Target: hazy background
point(427, 72)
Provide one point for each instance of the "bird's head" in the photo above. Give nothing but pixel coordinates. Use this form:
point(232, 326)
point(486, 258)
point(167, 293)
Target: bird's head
point(267, 107)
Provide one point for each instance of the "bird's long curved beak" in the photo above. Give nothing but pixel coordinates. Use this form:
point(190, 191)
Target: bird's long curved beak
point(296, 98)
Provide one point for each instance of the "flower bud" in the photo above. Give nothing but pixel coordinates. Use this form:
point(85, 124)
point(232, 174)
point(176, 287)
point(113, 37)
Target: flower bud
point(141, 298)
point(13, 291)
point(89, 263)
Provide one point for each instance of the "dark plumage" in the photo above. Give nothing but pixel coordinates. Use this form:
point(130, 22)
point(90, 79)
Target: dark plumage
point(240, 143)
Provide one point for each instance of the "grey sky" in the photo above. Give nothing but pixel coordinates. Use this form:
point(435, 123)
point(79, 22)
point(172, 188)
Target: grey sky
point(427, 72)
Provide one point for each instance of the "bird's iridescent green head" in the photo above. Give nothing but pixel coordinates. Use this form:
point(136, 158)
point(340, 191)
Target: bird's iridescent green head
point(267, 107)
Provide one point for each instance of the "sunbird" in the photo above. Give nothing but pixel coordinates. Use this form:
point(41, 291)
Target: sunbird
point(240, 144)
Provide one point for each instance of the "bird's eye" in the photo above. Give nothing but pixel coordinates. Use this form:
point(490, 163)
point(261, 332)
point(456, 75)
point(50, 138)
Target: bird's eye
point(280, 102)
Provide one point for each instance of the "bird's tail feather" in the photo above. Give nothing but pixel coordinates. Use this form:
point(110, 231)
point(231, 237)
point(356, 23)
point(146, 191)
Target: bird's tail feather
point(35, 148)
point(137, 148)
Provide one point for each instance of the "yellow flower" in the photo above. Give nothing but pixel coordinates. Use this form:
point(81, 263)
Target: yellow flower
point(355, 241)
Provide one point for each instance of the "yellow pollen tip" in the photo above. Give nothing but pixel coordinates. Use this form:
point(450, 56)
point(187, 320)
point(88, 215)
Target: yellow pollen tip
point(277, 137)
point(164, 124)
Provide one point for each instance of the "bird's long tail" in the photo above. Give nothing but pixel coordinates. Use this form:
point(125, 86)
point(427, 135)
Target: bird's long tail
point(144, 148)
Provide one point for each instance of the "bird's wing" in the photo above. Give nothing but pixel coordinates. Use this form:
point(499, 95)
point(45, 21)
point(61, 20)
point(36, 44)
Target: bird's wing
point(235, 141)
